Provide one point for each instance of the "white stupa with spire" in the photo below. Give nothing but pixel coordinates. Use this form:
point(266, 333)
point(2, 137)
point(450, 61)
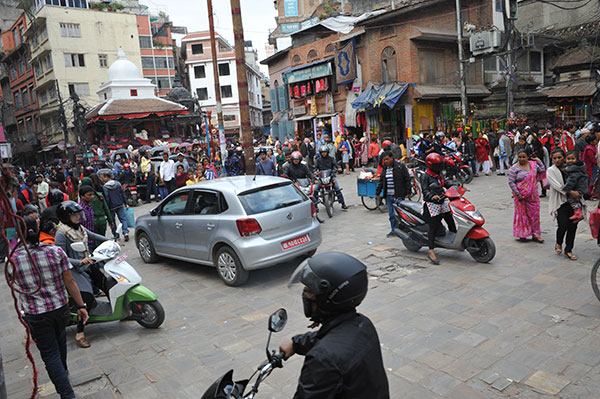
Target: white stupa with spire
point(125, 81)
point(128, 95)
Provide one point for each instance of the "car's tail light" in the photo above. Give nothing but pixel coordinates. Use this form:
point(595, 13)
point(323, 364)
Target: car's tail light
point(248, 227)
point(313, 209)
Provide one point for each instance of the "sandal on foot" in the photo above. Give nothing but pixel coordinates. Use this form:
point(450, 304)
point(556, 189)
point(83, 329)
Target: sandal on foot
point(538, 239)
point(434, 261)
point(558, 249)
point(82, 342)
point(570, 256)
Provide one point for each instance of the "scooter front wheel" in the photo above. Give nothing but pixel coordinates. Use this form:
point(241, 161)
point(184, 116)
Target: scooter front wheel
point(152, 314)
point(486, 250)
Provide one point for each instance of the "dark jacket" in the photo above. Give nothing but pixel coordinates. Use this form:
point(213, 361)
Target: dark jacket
point(401, 181)
point(342, 360)
point(50, 214)
point(299, 171)
point(431, 187)
point(114, 195)
point(328, 163)
point(580, 146)
point(307, 150)
point(99, 205)
point(577, 178)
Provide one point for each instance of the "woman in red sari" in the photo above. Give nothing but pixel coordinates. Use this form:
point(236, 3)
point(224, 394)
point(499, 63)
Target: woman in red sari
point(482, 151)
point(522, 179)
point(589, 159)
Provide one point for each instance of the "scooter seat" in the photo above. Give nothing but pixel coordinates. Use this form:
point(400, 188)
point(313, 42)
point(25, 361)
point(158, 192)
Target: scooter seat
point(412, 207)
point(102, 308)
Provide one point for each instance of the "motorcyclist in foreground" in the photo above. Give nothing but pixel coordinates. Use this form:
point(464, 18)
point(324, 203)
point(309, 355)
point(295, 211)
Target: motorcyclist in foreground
point(343, 358)
point(326, 162)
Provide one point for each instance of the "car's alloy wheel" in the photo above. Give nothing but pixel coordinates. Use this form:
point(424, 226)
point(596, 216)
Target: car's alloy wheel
point(230, 268)
point(146, 249)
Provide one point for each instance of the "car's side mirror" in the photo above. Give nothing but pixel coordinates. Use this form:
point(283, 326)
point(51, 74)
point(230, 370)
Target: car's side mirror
point(154, 212)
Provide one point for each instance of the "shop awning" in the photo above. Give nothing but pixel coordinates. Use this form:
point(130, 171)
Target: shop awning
point(327, 115)
point(433, 92)
point(584, 89)
point(303, 118)
point(376, 94)
point(49, 148)
point(310, 71)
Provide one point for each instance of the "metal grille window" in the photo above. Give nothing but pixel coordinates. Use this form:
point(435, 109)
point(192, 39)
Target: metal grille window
point(202, 93)
point(388, 65)
point(103, 60)
point(48, 62)
point(197, 48)
point(147, 63)
point(21, 66)
point(18, 102)
point(224, 69)
point(43, 33)
point(81, 89)
point(25, 96)
point(74, 60)
point(171, 62)
point(164, 83)
point(52, 93)
point(161, 62)
point(226, 91)
point(199, 72)
point(32, 94)
point(145, 42)
point(43, 97)
point(70, 30)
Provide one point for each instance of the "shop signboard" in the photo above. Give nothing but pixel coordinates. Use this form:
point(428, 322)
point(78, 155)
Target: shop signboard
point(290, 8)
point(5, 150)
point(290, 27)
point(299, 110)
point(313, 72)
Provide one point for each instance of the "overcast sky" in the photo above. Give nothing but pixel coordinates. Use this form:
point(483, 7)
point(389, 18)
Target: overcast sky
point(258, 18)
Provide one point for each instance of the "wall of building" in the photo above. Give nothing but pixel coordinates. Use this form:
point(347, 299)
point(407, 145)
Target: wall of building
point(101, 33)
point(542, 16)
point(154, 56)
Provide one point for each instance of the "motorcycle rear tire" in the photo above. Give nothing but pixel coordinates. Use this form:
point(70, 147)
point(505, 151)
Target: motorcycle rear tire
point(468, 173)
point(328, 204)
point(415, 191)
point(411, 245)
point(595, 278)
point(487, 250)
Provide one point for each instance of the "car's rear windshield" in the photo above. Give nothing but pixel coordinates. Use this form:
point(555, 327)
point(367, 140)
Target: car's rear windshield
point(270, 198)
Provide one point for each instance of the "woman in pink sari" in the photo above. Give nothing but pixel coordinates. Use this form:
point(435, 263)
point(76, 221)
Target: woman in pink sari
point(522, 179)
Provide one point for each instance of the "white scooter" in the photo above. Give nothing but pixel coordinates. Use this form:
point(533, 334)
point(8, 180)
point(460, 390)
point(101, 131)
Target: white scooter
point(127, 298)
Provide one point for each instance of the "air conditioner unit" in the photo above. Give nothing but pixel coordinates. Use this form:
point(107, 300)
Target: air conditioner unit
point(485, 42)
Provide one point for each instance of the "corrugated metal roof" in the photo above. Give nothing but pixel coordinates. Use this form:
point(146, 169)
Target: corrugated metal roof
point(583, 89)
point(443, 91)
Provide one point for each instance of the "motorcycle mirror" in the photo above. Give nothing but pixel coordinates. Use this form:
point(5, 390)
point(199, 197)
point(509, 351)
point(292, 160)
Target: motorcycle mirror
point(78, 246)
point(278, 320)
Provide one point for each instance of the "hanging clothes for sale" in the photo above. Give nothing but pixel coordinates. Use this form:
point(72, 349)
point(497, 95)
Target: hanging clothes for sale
point(317, 85)
point(303, 90)
point(309, 89)
point(296, 91)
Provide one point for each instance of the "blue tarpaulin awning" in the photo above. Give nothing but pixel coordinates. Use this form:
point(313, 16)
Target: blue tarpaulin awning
point(310, 71)
point(376, 94)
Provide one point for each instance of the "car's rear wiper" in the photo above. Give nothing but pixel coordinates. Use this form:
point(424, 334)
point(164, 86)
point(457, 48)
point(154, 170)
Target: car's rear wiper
point(286, 204)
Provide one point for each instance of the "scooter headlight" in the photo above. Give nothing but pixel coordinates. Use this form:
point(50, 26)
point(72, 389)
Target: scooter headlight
point(475, 215)
point(108, 249)
point(121, 278)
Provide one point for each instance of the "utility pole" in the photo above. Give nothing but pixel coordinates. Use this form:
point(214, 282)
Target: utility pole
point(240, 59)
point(461, 65)
point(219, 106)
point(509, 67)
point(63, 119)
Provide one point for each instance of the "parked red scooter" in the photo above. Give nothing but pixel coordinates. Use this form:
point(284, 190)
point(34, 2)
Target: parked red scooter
point(413, 229)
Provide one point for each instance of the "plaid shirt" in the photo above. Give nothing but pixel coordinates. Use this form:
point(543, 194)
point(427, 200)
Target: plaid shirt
point(52, 262)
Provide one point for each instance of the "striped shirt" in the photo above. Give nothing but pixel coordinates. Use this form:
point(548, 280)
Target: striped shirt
point(51, 262)
point(389, 177)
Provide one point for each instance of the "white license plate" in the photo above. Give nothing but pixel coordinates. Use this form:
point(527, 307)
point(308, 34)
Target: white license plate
point(295, 242)
point(121, 259)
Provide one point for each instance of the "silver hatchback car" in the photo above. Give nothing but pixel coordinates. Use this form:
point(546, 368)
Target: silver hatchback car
point(236, 224)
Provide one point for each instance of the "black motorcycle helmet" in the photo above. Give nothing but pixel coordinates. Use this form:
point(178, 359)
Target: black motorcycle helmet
point(55, 197)
point(66, 210)
point(338, 280)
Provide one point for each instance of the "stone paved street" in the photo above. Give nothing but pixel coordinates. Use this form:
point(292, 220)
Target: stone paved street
point(525, 326)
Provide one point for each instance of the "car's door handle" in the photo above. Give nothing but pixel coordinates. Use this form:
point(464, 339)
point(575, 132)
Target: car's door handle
point(178, 225)
point(210, 226)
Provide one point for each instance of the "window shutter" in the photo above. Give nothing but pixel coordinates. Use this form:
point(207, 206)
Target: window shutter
point(282, 95)
point(274, 104)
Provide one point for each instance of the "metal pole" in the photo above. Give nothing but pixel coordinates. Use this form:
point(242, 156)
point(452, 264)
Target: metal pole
point(509, 65)
point(461, 66)
point(219, 106)
point(3, 394)
point(240, 59)
point(63, 119)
